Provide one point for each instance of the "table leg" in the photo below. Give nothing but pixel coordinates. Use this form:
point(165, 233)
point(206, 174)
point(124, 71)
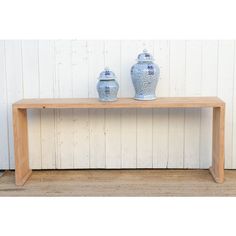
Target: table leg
point(217, 169)
point(22, 170)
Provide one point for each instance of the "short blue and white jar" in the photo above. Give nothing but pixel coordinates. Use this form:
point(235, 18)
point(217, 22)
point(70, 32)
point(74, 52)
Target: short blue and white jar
point(107, 86)
point(145, 75)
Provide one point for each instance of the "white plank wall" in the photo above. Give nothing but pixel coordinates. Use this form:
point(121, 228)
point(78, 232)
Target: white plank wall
point(134, 138)
point(4, 155)
point(30, 71)
point(208, 88)
point(80, 117)
point(47, 76)
point(161, 116)
point(177, 69)
point(113, 116)
point(15, 88)
point(192, 116)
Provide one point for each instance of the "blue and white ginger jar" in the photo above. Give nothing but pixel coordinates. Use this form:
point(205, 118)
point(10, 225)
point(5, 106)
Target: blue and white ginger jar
point(107, 86)
point(145, 75)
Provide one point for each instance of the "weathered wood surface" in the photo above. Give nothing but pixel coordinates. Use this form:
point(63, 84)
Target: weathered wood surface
point(168, 102)
point(120, 183)
point(142, 161)
point(69, 68)
point(20, 126)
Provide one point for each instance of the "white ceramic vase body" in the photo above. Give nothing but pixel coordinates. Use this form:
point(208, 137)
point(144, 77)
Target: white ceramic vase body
point(145, 74)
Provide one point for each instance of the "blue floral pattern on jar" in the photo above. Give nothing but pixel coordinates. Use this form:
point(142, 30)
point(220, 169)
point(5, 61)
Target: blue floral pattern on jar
point(107, 86)
point(145, 75)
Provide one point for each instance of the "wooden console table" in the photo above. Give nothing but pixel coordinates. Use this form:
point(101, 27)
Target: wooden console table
point(22, 170)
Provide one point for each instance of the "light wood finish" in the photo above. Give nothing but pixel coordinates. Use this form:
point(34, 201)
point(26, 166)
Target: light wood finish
point(52, 69)
point(217, 169)
point(169, 102)
point(21, 137)
point(23, 171)
point(120, 183)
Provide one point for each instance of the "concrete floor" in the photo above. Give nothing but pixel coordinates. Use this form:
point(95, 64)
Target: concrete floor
point(119, 183)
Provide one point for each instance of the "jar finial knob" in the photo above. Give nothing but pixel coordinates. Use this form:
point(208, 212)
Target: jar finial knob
point(145, 50)
point(106, 68)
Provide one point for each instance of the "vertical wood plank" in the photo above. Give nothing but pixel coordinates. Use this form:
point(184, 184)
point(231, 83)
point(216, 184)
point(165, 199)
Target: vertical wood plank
point(81, 138)
point(209, 88)
point(22, 171)
point(113, 116)
point(47, 75)
point(160, 138)
point(131, 144)
point(134, 144)
point(4, 157)
point(113, 139)
point(192, 138)
point(128, 138)
point(65, 117)
point(192, 116)
point(218, 144)
point(145, 124)
point(80, 116)
point(31, 90)
point(225, 91)
point(97, 139)
point(176, 116)
point(234, 114)
point(14, 85)
point(176, 138)
point(96, 116)
point(66, 62)
point(96, 64)
point(144, 138)
point(129, 52)
point(161, 116)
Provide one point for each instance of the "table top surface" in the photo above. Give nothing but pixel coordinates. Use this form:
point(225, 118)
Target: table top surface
point(161, 102)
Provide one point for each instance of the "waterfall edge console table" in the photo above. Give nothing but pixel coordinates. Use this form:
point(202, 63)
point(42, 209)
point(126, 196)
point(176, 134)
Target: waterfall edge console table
point(23, 171)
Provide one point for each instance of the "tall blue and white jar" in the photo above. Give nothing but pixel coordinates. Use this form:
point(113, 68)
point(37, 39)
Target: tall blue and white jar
point(107, 86)
point(145, 75)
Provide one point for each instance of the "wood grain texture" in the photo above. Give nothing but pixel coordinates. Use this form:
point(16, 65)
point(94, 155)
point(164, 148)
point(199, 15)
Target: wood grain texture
point(30, 70)
point(120, 183)
point(64, 121)
point(234, 117)
point(160, 117)
point(81, 129)
point(113, 138)
point(129, 139)
point(144, 138)
point(177, 72)
point(97, 138)
point(168, 102)
point(145, 125)
point(47, 77)
point(69, 68)
point(208, 88)
point(218, 144)
point(192, 117)
point(225, 91)
point(13, 52)
point(4, 161)
point(22, 170)
point(98, 158)
point(112, 59)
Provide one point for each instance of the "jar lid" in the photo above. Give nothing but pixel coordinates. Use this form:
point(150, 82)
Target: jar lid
point(107, 74)
point(145, 56)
